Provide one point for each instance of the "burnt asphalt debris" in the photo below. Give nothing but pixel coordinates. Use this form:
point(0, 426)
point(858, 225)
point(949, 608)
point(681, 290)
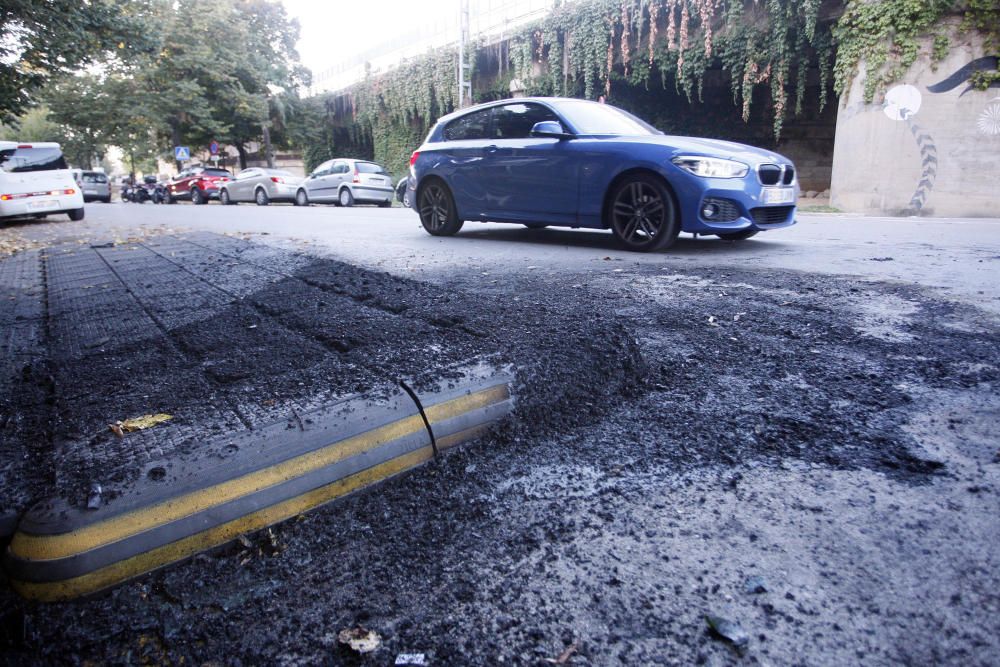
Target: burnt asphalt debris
point(677, 432)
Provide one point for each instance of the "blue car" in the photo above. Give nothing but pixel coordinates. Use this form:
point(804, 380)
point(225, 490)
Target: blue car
point(572, 163)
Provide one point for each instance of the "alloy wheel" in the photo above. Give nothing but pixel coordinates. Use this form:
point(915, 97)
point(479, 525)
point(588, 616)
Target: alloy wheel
point(642, 215)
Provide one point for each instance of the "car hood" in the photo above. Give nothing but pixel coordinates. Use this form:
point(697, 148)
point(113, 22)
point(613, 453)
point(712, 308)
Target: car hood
point(708, 147)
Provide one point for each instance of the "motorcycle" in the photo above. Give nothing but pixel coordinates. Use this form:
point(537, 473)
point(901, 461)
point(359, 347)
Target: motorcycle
point(150, 190)
point(127, 191)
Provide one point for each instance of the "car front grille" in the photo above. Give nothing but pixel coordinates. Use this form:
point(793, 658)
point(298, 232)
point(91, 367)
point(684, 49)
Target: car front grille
point(771, 215)
point(769, 174)
point(726, 210)
point(772, 174)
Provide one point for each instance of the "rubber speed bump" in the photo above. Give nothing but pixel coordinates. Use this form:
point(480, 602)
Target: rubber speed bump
point(249, 482)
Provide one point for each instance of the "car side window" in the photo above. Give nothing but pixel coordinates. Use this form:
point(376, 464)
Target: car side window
point(323, 169)
point(339, 168)
point(514, 121)
point(472, 126)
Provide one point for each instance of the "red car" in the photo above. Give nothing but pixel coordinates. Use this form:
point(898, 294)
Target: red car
point(199, 184)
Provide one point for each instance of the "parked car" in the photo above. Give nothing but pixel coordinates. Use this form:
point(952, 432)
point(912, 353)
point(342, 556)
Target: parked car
point(260, 185)
point(402, 193)
point(35, 181)
point(96, 186)
point(345, 182)
point(573, 163)
point(197, 184)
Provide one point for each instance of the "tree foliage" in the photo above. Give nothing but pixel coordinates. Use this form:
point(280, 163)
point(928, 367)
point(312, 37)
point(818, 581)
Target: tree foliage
point(41, 39)
point(221, 70)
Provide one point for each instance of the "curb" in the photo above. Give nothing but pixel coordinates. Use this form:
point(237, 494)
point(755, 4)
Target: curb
point(249, 482)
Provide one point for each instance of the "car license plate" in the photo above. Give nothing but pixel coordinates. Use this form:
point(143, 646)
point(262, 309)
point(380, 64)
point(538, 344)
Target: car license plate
point(90, 192)
point(43, 205)
point(777, 195)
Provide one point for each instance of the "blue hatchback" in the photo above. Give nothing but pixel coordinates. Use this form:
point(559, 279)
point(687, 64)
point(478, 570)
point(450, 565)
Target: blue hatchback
point(573, 163)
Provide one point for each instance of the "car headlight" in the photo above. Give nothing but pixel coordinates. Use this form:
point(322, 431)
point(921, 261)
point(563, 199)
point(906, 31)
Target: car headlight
point(711, 167)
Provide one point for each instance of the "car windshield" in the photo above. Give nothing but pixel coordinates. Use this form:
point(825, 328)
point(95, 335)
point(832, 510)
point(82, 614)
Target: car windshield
point(32, 159)
point(369, 168)
point(215, 172)
point(594, 118)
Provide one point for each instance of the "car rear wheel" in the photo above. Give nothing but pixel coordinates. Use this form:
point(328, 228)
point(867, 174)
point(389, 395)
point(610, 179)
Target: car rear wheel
point(76, 215)
point(438, 214)
point(738, 236)
point(301, 198)
point(642, 214)
point(224, 198)
point(197, 197)
point(261, 197)
point(346, 198)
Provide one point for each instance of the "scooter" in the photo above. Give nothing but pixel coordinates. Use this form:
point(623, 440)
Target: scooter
point(150, 190)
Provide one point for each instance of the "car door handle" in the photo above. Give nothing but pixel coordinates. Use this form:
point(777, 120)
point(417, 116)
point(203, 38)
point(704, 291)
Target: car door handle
point(490, 150)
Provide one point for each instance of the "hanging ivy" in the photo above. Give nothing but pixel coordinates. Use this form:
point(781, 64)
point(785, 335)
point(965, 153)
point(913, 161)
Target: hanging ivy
point(586, 48)
point(885, 36)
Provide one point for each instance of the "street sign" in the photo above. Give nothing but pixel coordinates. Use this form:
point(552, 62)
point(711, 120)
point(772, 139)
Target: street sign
point(213, 148)
point(182, 153)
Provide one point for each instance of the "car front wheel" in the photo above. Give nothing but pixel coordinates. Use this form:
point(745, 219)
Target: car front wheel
point(261, 198)
point(224, 198)
point(301, 198)
point(438, 214)
point(642, 214)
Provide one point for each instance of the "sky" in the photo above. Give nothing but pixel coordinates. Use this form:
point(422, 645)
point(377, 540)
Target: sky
point(334, 45)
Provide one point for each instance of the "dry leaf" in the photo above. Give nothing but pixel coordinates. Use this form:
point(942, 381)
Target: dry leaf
point(144, 422)
point(360, 639)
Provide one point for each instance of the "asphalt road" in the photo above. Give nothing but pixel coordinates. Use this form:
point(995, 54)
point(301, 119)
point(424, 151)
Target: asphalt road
point(794, 433)
point(956, 257)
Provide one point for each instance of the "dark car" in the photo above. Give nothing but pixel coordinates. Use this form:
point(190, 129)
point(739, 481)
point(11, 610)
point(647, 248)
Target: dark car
point(197, 184)
point(573, 163)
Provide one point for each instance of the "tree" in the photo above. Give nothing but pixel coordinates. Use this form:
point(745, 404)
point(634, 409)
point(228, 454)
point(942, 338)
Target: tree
point(40, 39)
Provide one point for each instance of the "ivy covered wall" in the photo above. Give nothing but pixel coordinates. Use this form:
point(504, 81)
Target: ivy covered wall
point(763, 71)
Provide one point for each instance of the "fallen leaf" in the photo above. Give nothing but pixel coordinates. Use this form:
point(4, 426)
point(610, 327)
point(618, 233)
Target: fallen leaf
point(116, 428)
point(360, 639)
point(144, 422)
point(564, 656)
point(712, 321)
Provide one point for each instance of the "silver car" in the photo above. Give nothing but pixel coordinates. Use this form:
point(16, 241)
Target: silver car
point(260, 185)
point(95, 186)
point(345, 182)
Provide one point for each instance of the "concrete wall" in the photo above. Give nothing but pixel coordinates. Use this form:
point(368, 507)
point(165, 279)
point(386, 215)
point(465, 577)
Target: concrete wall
point(930, 146)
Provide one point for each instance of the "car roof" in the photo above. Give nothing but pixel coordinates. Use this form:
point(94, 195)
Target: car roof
point(7, 145)
point(552, 101)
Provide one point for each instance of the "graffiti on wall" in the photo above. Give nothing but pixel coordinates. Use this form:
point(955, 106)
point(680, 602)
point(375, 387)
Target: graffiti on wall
point(988, 122)
point(901, 104)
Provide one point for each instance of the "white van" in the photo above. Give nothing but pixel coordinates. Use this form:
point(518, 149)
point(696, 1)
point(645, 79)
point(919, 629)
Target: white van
point(35, 181)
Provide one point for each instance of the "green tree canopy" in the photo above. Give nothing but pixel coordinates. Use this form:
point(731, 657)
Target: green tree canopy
point(40, 39)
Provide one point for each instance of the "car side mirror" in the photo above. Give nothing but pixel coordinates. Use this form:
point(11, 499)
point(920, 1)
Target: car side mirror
point(550, 128)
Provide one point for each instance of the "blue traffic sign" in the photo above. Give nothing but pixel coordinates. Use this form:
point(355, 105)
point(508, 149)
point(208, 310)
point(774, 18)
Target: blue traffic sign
point(213, 148)
point(182, 153)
